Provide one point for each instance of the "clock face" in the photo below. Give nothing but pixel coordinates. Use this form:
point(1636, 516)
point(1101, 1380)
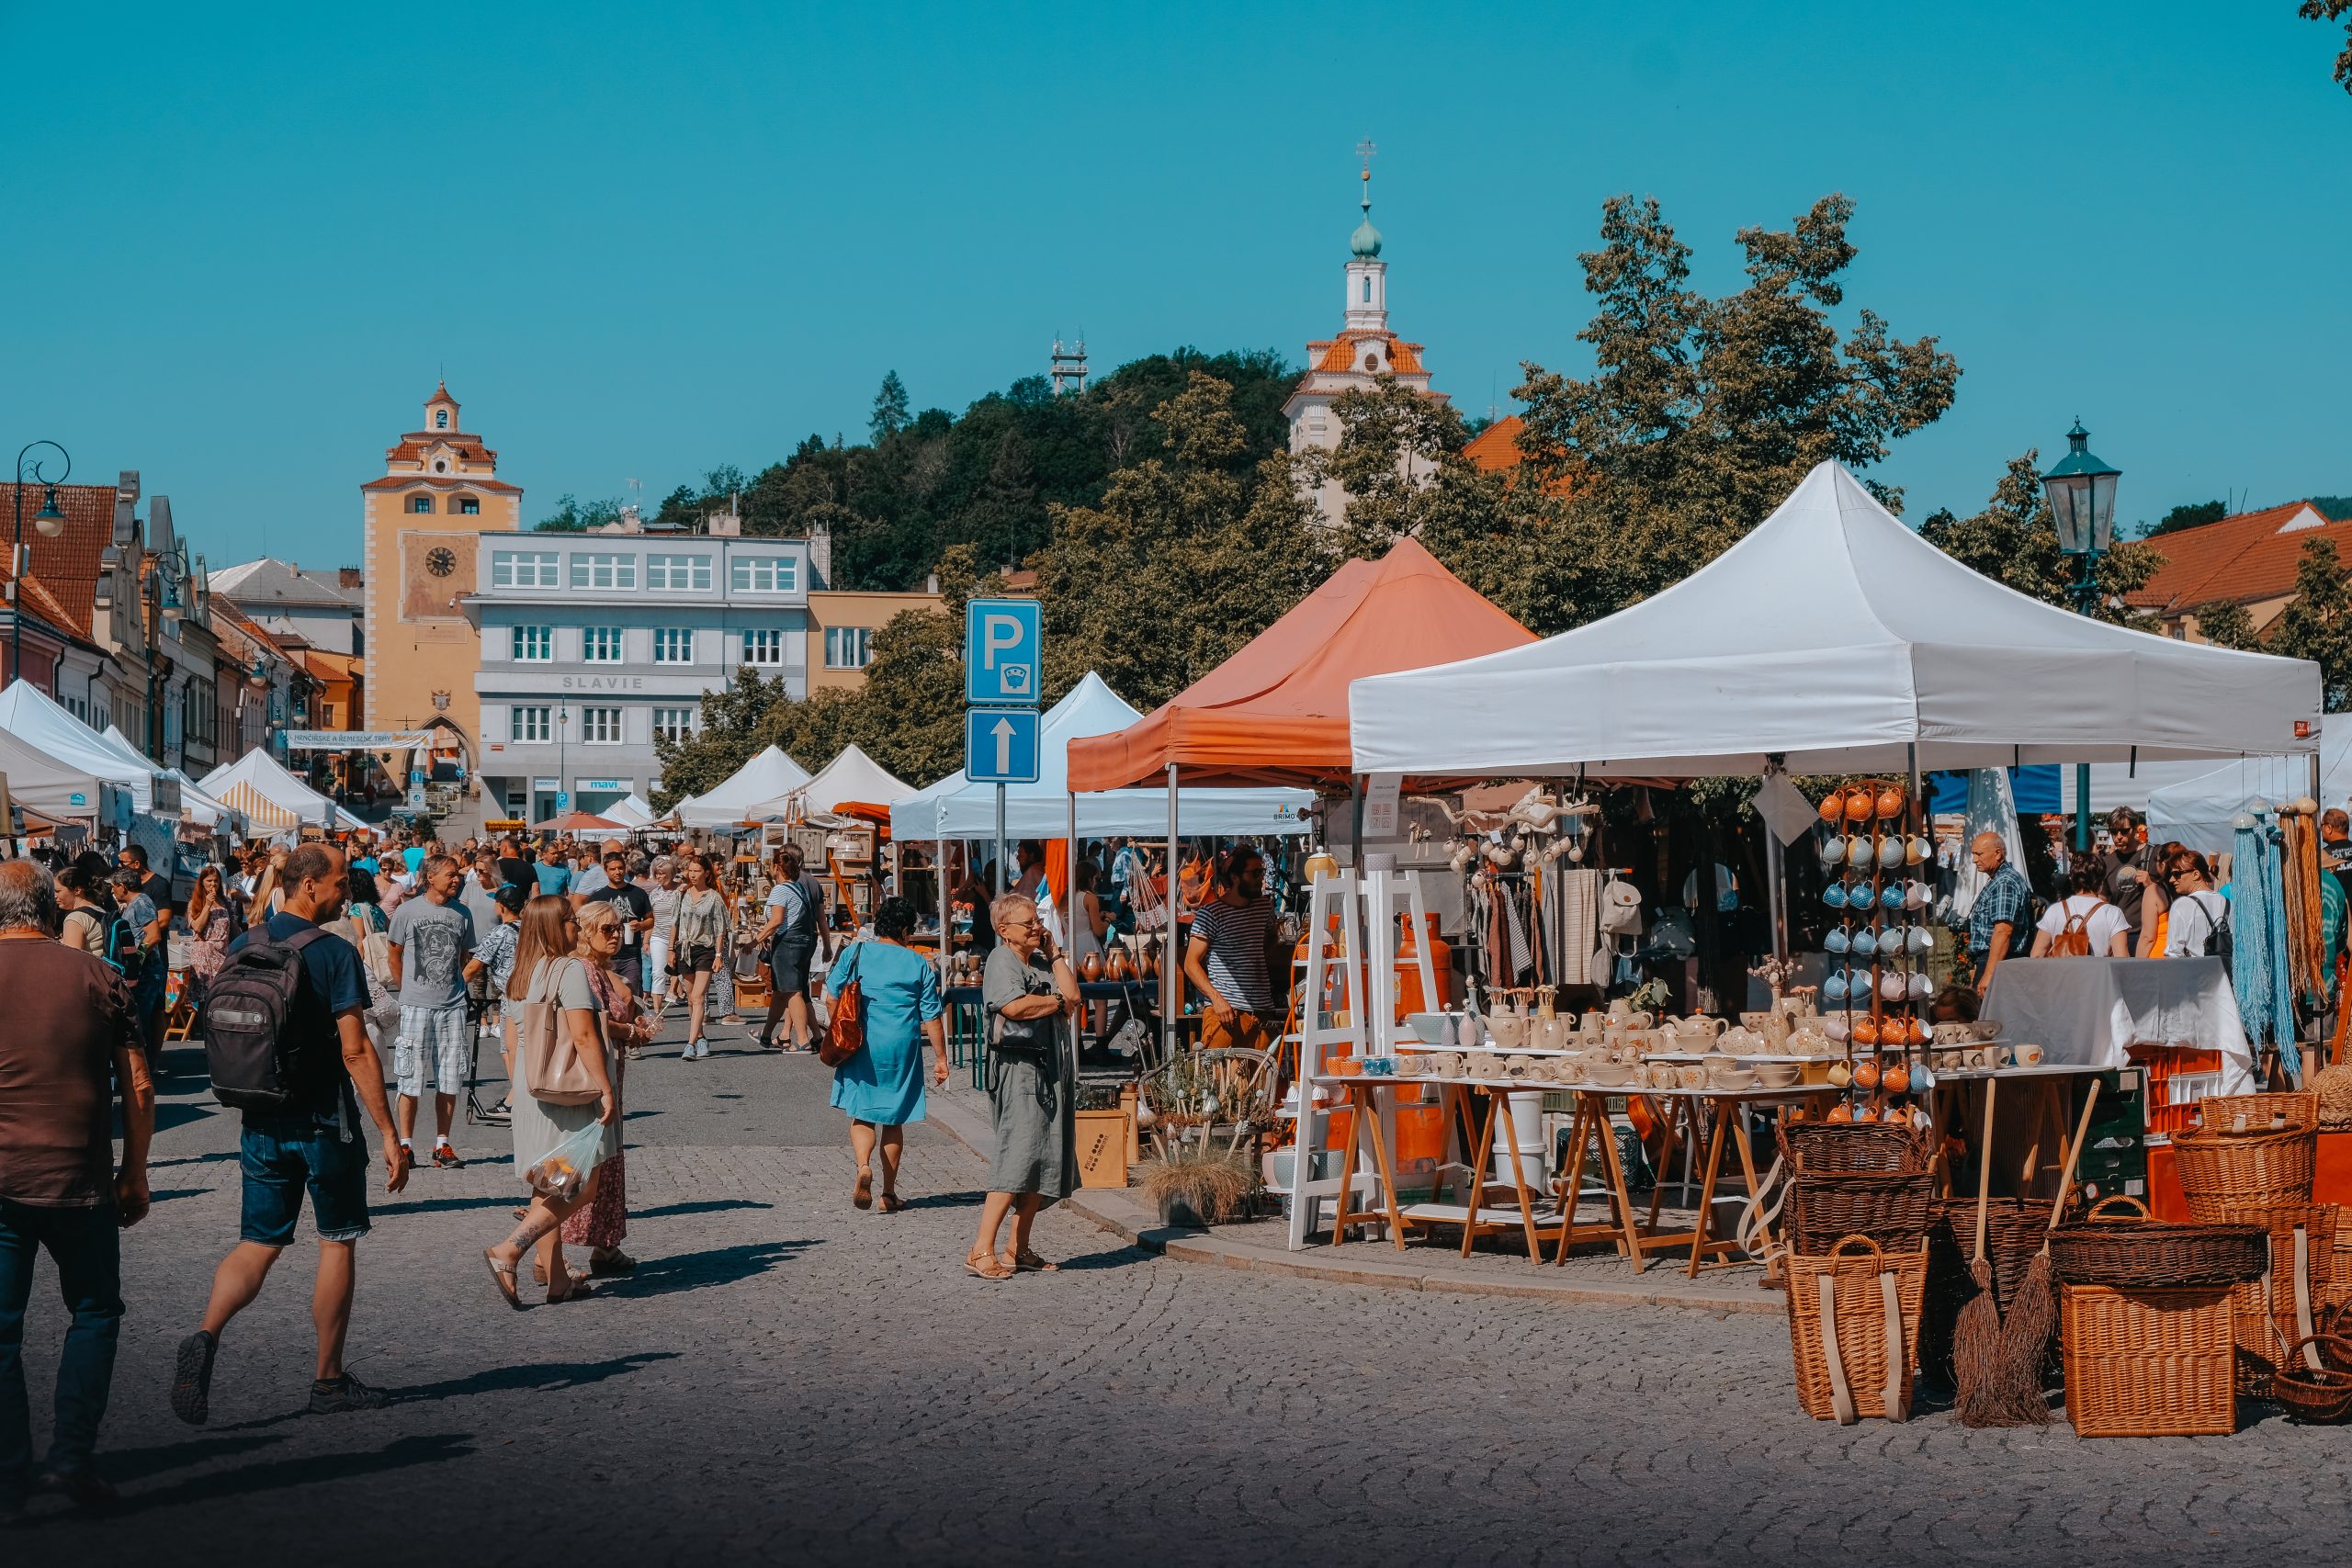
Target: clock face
point(441, 560)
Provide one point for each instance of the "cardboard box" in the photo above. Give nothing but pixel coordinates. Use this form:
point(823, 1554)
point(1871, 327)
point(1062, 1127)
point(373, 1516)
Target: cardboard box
point(1102, 1139)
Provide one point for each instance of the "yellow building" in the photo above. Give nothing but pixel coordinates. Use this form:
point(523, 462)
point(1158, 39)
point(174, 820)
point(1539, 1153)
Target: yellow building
point(841, 627)
point(423, 522)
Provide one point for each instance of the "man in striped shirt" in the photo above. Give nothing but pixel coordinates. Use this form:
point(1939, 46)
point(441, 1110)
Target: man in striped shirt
point(1226, 958)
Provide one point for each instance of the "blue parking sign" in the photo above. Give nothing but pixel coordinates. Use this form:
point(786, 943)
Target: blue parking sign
point(1003, 652)
point(1001, 745)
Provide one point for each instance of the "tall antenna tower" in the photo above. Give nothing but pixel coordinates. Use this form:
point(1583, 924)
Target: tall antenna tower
point(1069, 365)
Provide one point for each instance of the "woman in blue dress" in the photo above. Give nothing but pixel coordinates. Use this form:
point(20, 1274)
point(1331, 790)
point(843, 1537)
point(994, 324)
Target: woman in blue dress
point(880, 1087)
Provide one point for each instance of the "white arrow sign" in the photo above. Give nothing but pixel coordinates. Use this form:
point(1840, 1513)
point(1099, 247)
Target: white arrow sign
point(1003, 733)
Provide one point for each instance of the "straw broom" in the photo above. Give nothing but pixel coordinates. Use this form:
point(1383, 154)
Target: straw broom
point(2033, 1312)
point(1976, 1333)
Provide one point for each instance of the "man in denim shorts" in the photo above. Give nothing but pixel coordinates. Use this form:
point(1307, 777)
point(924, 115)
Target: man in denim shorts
point(318, 1147)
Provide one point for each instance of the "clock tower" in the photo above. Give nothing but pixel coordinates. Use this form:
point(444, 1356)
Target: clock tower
point(423, 523)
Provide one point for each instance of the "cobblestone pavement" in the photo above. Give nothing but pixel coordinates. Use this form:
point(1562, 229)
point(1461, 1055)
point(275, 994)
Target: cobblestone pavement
point(788, 1378)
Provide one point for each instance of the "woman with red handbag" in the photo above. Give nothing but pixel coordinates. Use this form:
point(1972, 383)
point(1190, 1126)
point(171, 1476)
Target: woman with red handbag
point(894, 993)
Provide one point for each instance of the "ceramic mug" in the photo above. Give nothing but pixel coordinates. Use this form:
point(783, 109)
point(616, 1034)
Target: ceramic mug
point(2028, 1055)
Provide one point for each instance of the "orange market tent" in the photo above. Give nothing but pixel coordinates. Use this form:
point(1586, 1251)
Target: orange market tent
point(1277, 711)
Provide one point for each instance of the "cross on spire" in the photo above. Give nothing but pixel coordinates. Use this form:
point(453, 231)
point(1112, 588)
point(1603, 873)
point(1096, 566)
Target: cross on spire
point(1366, 151)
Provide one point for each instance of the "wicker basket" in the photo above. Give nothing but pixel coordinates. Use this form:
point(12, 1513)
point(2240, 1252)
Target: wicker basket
point(2322, 1397)
point(2244, 1115)
point(2264, 1314)
point(2014, 1228)
point(2221, 1171)
point(1891, 1210)
point(1875, 1354)
point(2132, 1252)
point(1853, 1148)
point(2148, 1363)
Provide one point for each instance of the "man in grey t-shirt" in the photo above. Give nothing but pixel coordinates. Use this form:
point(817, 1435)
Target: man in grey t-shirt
point(432, 939)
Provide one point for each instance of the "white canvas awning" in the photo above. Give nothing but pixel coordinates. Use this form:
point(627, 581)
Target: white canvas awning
point(275, 799)
point(2198, 811)
point(33, 717)
point(202, 809)
point(1839, 638)
point(629, 811)
point(755, 792)
point(50, 785)
point(855, 776)
point(955, 808)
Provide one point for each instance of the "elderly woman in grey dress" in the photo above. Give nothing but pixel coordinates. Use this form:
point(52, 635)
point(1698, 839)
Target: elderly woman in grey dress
point(1026, 989)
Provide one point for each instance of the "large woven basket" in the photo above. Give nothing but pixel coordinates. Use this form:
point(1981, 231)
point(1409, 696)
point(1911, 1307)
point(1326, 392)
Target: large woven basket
point(2014, 1229)
point(2148, 1363)
point(1857, 1342)
point(2111, 1245)
point(2296, 1112)
point(1892, 1210)
point(2279, 1309)
point(2221, 1171)
point(1835, 1148)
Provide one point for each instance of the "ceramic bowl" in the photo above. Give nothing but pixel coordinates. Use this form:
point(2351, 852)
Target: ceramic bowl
point(1734, 1078)
point(1779, 1075)
point(1608, 1075)
point(1429, 1026)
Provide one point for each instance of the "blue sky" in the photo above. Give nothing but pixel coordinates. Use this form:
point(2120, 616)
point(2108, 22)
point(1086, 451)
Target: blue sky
point(645, 241)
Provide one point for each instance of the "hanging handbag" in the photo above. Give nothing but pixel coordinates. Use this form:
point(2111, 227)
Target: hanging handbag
point(552, 1068)
point(845, 1030)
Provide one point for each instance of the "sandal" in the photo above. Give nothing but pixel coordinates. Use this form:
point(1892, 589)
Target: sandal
point(615, 1262)
point(891, 1202)
point(864, 1195)
point(1028, 1262)
point(985, 1265)
point(502, 1276)
point(574, 1286)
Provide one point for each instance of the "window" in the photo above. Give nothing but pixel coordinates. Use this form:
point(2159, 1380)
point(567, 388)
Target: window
point(763, 574)
point(848, 648)
point(525, 569)
point(673, 724)
point(526, 724)
point(603, 572)
point(440, 419)
point(763, 647)
point(533, 645)
point(1367, 291)
point(470, 506)
point(600, 645)
point(420, 504)
point(600, 727)
point(678, 573)
point(674, 645)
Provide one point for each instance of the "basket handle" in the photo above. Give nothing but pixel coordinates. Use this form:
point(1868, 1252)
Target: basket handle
point(2100, 1208)
point(2309, 1349)
point(1856, 1237)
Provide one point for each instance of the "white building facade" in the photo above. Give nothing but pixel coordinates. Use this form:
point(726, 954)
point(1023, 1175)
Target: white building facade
point(593, 644)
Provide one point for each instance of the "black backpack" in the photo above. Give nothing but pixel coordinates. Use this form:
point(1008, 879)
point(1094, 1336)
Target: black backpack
point(2219, 940)
point(120, 952)
point(259, 1061)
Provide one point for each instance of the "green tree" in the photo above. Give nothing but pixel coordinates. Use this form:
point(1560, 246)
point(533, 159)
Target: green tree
point(2014, 541)
point(1191, 552)
point(571, 516)
point(2334, 11)
point(731, 717)
point(891, 406)
point(2317, 624)
point(1702, 414)
point(2225, 624)
point(2190, 514)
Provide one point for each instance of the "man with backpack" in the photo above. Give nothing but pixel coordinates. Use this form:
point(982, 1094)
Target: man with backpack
point(282, 1031)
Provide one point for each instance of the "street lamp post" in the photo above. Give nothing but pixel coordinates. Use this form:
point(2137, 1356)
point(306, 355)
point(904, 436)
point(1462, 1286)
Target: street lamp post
point(563, 719)
point(2081, 492)
point(50, 522)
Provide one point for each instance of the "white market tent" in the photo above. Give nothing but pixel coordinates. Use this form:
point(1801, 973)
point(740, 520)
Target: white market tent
point(955, 807)
point(1837, 637)
point(273, 798)
point(753, 792)
point(2198, 811)
point(31, 716)
point(202, 809)
point(47, 785)
point(629, 811)
point(853, 776)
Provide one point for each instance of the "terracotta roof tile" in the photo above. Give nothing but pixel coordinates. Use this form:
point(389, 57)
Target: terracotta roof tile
point(1345, 353)
point(68, 564)
point(2243, 558)
point(1495, 449)
point(443, 481)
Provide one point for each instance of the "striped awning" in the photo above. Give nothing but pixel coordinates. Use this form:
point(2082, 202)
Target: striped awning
point(264, 813)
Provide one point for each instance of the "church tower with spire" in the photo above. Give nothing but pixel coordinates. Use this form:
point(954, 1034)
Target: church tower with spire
point(1365, 349)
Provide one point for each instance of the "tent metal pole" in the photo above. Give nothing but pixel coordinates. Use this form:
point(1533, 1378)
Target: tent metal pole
point(947, 926)
point(1000, 840)
point(1171, 959)
point(1773, 875)
point(1069, 884)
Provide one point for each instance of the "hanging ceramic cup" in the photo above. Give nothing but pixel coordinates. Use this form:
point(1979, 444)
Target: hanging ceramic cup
point(1833, 990)
point(1858, 803)
point(1915, 896)
point(1864, 943)
point(1919, 941)
point(1890, 853)
point(1919, 989)
point(1833, 851)
point(1836, 941)
point(1834, 894)
point(1832, 806)
point(1890, 803)
point(1892, 986)
point(1916, 851)
point(1890, 895)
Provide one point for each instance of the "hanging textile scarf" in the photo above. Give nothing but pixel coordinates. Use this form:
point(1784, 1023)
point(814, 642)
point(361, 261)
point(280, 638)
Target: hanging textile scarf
point(2262, 977)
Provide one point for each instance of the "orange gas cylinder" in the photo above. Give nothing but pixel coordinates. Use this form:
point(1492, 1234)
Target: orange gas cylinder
point(1408, 972)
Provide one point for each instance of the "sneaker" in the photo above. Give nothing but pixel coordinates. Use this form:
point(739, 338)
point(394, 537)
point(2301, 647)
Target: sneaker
point(446, 1157)
point(346, 1392)
point(686, 1052)
point(702, 1049)
point(84, 1488)
point(192, 1378)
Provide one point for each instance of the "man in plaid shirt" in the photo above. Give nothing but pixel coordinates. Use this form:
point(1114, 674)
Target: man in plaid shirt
point(2000, 923)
